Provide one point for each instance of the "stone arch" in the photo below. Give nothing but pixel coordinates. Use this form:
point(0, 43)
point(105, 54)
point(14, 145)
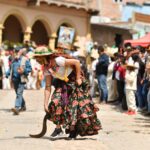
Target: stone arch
point(39, 33)
point(45, 21)
point(19, 15)
point(13, 30)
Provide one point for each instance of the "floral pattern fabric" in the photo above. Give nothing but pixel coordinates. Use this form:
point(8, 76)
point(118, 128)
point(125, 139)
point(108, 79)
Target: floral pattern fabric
point(71, 105)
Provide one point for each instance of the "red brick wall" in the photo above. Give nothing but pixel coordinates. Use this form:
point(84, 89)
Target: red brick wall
point(112, 9)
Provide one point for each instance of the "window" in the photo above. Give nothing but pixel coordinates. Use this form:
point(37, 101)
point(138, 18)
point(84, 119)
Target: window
point(117, 1)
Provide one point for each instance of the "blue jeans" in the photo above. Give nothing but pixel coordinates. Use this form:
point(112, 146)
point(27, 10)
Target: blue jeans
point(19, 88)
point(102, 83)
point(145, 92)
point(139, 96)
point(148, 100)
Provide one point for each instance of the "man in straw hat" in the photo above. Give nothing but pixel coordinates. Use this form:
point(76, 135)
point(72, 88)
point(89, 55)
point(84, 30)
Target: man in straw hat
point(19, 71)
point(131, 87)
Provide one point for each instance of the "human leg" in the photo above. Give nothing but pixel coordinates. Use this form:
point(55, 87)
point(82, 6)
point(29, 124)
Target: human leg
point(103, 86)
point(131, 102)
point(19, 102)
point(139, 96)
point(148, 100)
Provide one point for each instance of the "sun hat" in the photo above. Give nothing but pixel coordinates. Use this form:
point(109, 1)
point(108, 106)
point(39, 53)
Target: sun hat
point(42, 51)
point(129, 48)
point(131, 64)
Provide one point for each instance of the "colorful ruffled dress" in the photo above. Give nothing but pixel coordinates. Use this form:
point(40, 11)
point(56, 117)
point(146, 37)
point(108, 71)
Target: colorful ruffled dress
point(71, 104)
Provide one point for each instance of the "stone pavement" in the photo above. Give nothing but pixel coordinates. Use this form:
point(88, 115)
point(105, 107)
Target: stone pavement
point(120, 131)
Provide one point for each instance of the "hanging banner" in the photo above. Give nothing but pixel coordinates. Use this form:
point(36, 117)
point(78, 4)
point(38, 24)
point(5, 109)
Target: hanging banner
point(65, 37)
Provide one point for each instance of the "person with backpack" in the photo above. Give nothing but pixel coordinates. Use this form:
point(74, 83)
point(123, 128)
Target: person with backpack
point(19, 70)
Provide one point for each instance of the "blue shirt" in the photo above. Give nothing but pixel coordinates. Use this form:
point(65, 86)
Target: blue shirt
point(102, 65)
point(15, 65)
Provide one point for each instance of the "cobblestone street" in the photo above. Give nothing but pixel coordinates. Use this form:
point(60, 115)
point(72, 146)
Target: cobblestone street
point(120, 131)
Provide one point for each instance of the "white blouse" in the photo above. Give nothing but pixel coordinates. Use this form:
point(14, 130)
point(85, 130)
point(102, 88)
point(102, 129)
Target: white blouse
point(60, 61)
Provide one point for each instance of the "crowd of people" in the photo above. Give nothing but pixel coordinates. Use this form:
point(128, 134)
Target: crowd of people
point(123, 77)
point(71, 105)
point(7, 56)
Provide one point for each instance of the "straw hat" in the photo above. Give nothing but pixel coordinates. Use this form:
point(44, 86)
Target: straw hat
point(110, 51)
point(42, 51)
point(131, 64)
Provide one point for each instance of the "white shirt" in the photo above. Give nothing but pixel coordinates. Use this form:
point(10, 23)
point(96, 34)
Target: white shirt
point(131, 80)
point(5, 60)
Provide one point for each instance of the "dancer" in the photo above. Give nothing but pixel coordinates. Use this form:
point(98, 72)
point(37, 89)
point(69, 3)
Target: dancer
point(71, 104)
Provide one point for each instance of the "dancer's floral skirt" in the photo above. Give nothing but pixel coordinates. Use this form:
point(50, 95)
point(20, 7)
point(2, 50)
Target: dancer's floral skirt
point(71, 105)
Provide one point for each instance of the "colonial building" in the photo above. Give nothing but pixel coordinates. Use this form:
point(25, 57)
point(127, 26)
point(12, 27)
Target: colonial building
point(39, 20)
point(118, 21)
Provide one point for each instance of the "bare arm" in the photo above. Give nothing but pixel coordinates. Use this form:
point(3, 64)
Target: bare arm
point(47, 92)
point(76, 63)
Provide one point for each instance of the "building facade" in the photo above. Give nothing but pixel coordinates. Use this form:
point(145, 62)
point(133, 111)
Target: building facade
point(117, 21)
point(40, 20)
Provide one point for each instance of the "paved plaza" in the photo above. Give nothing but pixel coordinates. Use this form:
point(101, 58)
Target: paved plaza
point(120, 131)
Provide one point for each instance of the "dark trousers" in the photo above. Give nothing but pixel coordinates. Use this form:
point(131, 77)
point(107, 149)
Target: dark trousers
point(120, 90)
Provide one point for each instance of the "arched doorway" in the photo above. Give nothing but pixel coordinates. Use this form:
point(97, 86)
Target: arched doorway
point(13, 31)
point(39, 34)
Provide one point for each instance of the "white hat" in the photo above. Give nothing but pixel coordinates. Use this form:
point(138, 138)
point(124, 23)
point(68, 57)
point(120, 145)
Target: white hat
point(131, 64)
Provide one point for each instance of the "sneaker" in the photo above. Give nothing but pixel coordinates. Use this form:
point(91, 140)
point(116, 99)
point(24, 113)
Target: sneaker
point(72, 136)
point(103, 102)
point(22, 109)
point(15, 111)
point(57, 133)
point(139, 109)
point(131, 112)
point(127, 112)
point(147, 114)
